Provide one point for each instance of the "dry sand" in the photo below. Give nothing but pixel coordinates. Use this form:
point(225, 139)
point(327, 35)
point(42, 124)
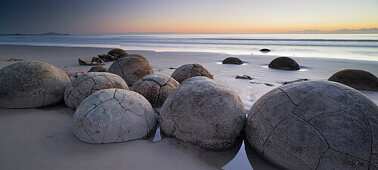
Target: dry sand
point(42, 138)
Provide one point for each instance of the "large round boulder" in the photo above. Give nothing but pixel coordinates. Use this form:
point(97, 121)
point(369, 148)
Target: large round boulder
point(30, 84)
point(315, 125)
point(155, 88)
point(114, 115)
point(358, 79)
point(203, 112)
point(131, 68)
point(190, 70)
point(88, 83)
point(118, 53)
point(232, 60)
point(284, 63)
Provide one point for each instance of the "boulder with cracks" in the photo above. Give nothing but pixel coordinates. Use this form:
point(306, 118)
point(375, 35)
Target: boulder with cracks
point(315, 125)
point(114, 115)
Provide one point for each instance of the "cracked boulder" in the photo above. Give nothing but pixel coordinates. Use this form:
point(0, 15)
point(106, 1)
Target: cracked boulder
point(31, 84)
point(114, 115)
point(155, 88)
point(131, 68)
point(203, 112)
point(315, 125)
point(87, 84)
point(190, 70)
point(358, 79)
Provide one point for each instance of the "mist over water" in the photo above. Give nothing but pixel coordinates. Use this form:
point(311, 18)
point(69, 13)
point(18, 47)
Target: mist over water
point(346, 46)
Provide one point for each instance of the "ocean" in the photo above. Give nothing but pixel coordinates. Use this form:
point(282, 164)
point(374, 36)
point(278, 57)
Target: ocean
point(345, 46)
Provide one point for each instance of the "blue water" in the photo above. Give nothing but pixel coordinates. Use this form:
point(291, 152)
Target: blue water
point(347, 46)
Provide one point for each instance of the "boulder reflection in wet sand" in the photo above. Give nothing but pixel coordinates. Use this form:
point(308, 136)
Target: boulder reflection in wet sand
point(255, 160)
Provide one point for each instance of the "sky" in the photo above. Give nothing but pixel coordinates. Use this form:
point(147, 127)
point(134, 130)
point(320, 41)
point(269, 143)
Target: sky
point(225, 16)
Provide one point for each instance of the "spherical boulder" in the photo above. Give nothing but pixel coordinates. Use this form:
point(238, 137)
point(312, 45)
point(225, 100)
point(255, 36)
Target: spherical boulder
point(114, 115)
point(232, 60)
point(315, 125)
point(31, 84)
point(190, 70)
point(358, 79)
point(155, 88)
point(284, 63)
point(88, 83)
point(203, 112)
point(131, 68)
point(118, 53)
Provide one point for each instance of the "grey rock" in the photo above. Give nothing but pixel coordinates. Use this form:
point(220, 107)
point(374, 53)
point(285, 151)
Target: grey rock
point(97, 60)
point(83, 62)
point(294, 81)
point(89, 83)
point(107, 57)
point(203, 112)
point(358, 79)
point(314, 125)
point(265, 50)
point(114, 115)
point(232, 60)
point(131, 68)
point(30, 84)
point(98, 69)
point(118, 53)
point(155, 88)
point(190, 70)
point(247, 77)
point(284, 63)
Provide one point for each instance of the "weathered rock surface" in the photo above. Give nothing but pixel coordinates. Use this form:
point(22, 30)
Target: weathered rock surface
point(131, 68)
point(30, 84)
point(232, 60)
point(89, 83)
point(358, 79)
point(83, 62)
point(118, 53)
point(203, 112)
point(98, 69)
point(107, 57)
point(114, 115)
point(315, 125)
point(190, 70)
point(155, 88)
point(284, 63)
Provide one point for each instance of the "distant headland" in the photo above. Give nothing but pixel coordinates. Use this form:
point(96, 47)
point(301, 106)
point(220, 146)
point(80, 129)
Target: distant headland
point(43, 34)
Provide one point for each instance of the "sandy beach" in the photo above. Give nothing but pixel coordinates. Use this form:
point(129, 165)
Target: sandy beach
point(42, 138)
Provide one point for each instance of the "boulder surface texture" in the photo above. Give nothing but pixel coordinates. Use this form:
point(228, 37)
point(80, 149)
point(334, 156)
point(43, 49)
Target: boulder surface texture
point(30, 84)
point(88, 83)
point(358, 79)
point(190, 70)
point(203, 112)
point(118, 53)
point(315, 125)
point(114, 115)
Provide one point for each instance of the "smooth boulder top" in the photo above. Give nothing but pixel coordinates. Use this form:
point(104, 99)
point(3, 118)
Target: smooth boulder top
point(190, 70)
point(31, 84)
point(232, 60)
point(155, 88)
point(114, 115)
point(315, 125)
point(284, 63)
point(88, 83)
point(118, 53)
point(358, 79)
point(203, 112)
point(131, 68)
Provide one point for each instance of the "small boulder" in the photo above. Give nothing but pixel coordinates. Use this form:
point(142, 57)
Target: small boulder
point(155, 88)
point(265, 50)
point(89, 83)
point(190, 70)
point(98, 69)
point(358, 79)
point(97, 60)
point(14, 60)
point(83, 62)
point(203, 112)
point(31, 84)
point(284, 63)
point(294, 81)
point(232, 60)
point(107, 57)
point(114, 115)
point(118, 53)
point(247, 77)
point(131, 68)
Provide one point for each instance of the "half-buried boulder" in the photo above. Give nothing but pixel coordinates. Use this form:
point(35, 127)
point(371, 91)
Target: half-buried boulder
point(190, 70)
point(89, 83)
point(155, 88)
point(315, 125)
point(232, 60)
point(118, 53)
point(131, 68)
point(98, 69)
point(114, 115)
point(30, 84)
point(284, 63)
point(203, 112)
point(358, 79)
point(107, 57)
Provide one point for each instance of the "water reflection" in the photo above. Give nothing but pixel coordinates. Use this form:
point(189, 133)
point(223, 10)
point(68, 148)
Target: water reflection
point(256, 161)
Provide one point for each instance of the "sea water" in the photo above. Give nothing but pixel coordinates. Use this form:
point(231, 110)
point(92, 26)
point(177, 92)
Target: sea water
point(346, 46)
